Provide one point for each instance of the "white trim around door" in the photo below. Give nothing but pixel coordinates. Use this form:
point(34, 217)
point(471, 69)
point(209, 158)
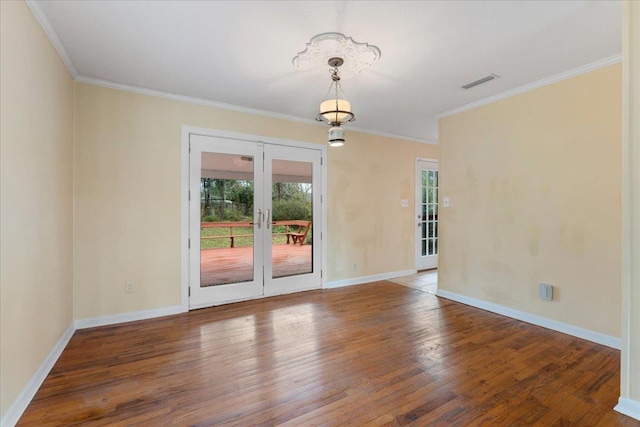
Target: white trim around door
point(320, 230)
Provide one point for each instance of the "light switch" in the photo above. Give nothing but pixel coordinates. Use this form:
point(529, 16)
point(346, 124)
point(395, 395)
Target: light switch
point(445, 202)
point(404, 203)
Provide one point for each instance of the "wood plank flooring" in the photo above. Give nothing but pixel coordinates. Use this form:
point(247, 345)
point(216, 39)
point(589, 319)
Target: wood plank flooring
point(374, 354)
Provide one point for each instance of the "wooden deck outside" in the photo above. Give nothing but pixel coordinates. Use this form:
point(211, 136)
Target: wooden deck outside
point(234, 265)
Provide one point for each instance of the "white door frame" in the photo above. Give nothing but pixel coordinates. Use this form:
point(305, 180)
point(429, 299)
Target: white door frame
point(417, 209)
point(187, 131)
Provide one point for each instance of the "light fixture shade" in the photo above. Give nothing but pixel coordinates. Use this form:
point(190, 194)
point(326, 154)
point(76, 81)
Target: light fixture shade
point(329, 113)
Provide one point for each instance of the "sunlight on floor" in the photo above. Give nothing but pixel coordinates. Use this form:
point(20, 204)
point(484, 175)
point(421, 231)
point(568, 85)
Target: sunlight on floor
point(425, 281)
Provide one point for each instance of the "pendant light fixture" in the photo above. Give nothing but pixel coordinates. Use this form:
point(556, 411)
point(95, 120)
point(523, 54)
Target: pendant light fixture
point(335, 111)
point(335, 50)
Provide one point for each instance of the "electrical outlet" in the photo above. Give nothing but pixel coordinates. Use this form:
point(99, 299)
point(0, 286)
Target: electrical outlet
point(355, 266)
point(546, 291)
point(128, 287)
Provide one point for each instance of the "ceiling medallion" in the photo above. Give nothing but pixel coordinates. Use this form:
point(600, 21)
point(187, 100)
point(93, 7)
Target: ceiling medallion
point(330, 52)
point(321, 48)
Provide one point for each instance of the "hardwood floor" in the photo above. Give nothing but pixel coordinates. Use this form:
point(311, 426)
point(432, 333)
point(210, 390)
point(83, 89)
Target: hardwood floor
point(425, 281)
point(374, 354)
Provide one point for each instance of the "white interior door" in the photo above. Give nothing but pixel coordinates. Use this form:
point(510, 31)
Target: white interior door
point(253, 209)
point(426, 214)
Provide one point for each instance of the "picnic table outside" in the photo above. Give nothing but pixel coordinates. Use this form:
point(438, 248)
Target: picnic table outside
point(297, 234)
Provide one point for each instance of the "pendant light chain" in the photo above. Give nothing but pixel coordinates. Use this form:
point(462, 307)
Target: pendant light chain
point(336, 80)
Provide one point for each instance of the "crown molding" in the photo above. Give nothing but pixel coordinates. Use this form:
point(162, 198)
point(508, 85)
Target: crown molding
point(535, 85)
point(51, 33)
point(188, 99)
point(45, 23)
point(223, 106)
point(391, 135)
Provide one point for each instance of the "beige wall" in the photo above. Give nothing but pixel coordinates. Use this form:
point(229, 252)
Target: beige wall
point(366, 224)
point(535, 188)
point(533, 181)
point(125, 166)
point(36, 205)
point(630, 369)
point(127, 159)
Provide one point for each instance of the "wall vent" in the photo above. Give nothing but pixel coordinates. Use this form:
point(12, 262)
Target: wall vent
point(480, 81)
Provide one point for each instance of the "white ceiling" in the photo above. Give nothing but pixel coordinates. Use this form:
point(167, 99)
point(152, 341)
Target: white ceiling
point(232, 166)
point(240, 52)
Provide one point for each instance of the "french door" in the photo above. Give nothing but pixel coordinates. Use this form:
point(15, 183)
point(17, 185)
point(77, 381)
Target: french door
point(253, 209)
point(427, 214)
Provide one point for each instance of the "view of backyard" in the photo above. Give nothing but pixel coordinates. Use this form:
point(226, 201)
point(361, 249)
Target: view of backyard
point(230, 202)
point(226, 230)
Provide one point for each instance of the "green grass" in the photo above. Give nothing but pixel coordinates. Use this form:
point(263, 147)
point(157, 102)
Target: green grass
point(240, 242)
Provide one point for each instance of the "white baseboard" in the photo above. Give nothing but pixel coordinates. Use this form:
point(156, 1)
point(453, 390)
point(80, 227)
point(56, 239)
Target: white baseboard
point(628, 407)
point(112, 319)
point(367, 279)
point(16, 410)
point(565, 328)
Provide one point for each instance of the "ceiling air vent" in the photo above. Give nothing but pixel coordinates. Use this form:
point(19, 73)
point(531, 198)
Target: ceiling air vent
point(480, 81)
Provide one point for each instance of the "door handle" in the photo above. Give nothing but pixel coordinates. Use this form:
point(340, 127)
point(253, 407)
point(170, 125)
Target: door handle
point(259, 219)
point(268, 211)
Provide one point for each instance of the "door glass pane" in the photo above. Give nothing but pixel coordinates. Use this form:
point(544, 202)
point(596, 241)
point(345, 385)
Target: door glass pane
point(226, 219)
point(424, 247)
point(292, 229)
point(432, 188)
point(432, 212)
